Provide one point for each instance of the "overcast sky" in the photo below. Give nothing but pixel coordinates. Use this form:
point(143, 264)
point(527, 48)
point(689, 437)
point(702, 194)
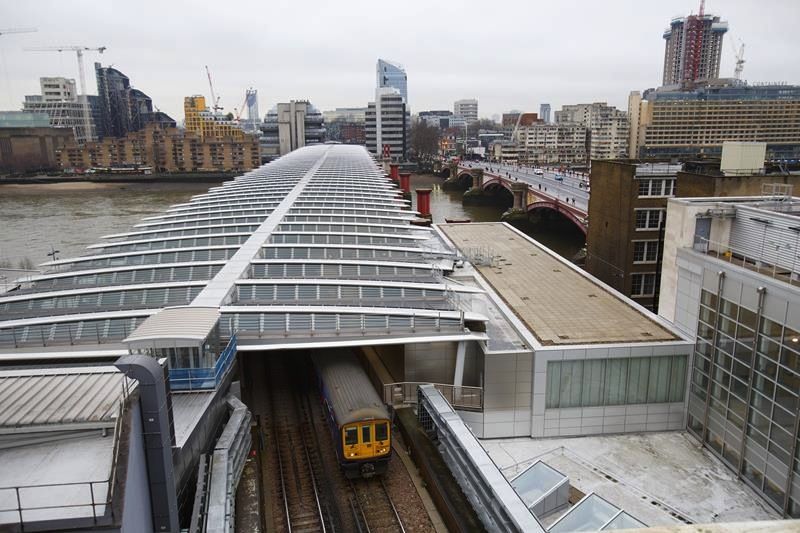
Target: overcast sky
point(507, 54)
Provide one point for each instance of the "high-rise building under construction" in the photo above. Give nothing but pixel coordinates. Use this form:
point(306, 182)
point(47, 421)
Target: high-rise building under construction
point(693, 48)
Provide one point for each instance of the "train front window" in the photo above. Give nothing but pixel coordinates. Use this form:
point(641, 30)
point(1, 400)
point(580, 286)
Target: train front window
point(382, 431)
point(365, 435)
point(351, 436)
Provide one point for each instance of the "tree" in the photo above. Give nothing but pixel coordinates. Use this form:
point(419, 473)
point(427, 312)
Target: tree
point(482, 124)
point(424, 141)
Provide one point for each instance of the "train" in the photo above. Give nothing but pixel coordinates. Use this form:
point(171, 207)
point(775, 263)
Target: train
point(360, 423)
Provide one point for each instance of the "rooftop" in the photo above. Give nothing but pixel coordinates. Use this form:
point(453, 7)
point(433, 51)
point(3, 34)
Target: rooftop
point(656, 477)
point(564, 306)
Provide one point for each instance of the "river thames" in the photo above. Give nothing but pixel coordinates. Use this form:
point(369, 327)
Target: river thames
point(70, 216)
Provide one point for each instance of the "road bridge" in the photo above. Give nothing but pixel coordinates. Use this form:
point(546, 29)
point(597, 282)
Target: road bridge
point(566, 193)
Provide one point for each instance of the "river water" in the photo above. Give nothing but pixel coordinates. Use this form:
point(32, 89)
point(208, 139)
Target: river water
point(71, 216)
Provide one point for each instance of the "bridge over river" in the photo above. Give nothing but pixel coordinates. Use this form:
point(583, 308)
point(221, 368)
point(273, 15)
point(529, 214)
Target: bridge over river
point(533, 189)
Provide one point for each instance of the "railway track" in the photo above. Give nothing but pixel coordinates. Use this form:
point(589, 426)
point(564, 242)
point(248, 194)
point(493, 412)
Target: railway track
point(298, 468)
point(373, 509)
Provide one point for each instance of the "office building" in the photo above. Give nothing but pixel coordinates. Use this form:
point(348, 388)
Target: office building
point(693, 49)
point(345, 114)
point(123, 109)
point(730, 279)
point(675, 123)
point(628, 205)
point(289, 126)
point(509, 120)
point(442, 119)
point(466, 109)
point(387, 125)
point(541, 143)
point(544, 112)
point(164, 149)
point(608, 128)
point(199, 119)
point(28, 143)
point(65, 107)
point(345, 125)
point(390, 74)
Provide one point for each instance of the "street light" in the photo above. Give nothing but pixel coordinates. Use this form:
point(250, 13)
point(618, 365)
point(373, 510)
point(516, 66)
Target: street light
point(53, 253)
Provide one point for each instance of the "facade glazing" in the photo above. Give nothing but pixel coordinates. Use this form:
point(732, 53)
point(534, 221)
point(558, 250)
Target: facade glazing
point(392, 75)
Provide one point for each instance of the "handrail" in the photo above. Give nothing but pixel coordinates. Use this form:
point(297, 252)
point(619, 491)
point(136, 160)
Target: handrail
point(404, 393)
point(20, 509)
point(726, 252)
point(189, 379)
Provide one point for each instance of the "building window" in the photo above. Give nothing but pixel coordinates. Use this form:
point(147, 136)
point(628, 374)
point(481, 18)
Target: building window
point(643, 284)
point(645, 251)
point(657, 187)
point(649, 219)
point(618, 381)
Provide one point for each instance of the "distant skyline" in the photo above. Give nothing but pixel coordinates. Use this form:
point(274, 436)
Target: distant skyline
point(507, 55)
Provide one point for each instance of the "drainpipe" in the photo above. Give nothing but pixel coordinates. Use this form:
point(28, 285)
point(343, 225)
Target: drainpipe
point(159, 437)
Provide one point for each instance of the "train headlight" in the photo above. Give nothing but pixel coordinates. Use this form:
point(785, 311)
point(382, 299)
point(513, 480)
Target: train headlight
point(352, 454)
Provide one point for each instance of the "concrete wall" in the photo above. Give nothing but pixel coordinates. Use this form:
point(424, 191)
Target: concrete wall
point(29, 149)
point(430, 362)
point(136, 514)
point(689, 185)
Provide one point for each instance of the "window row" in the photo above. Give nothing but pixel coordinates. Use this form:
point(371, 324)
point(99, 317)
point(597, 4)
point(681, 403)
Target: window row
point(344, 294)
point(125, 299)
point(619, 381)
point(338, 271)
point(283, 238)
point(657, 187)
point(303, 323)
point(338, 253)
point(178, 243)
point(155, 259)
point(131, 277)
point(83, 332)
point(203, 230)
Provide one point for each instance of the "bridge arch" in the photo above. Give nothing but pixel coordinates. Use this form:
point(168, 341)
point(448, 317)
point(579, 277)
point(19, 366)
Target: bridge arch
point(464, 179)
point(560, 208)
point(445, 171)
point(494, 183)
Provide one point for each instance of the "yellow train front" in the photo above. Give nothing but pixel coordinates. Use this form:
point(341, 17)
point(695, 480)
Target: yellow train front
point(359, 421)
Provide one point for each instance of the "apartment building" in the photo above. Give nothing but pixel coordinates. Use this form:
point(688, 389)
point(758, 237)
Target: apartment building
point(386, 126)
point(198, 119)
point(165, 149)
point(289, 126)
point(681, 39)
point(64, 106)
point(730, 279)
point(466, 109)
point(674, 123)
point(627, 213)
point(541, 143)
point(608, 128)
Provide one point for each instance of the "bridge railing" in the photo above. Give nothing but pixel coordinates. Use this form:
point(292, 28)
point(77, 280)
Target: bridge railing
point(404, 393)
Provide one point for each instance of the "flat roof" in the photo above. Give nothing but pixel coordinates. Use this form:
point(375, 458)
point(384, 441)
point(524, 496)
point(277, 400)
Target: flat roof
point(559, 303)
point(655, 477)
point(51, 398)
point(184, 322)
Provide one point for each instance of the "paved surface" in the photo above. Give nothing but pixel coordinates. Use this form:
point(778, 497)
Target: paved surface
point(560, 304)
point(633, 471)
point(556, 184)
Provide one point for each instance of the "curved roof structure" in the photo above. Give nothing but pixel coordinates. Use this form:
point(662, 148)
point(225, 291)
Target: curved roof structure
point(317, 244)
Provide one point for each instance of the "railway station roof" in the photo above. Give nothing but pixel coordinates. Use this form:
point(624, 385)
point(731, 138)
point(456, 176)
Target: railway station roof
point(558, 303)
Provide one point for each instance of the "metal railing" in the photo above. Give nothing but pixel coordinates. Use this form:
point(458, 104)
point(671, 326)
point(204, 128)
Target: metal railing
point(725, 252)
point(405, 393)
point(83, 495)
point(190, 379)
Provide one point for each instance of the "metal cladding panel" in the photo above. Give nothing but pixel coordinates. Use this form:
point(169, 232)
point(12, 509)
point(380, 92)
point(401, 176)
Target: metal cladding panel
point(60, 396)
point(348, 388)
point(178, 323)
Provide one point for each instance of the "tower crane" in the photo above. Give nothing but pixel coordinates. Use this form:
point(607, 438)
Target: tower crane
point(214, 100)
point(737, 71)
point(79, 50)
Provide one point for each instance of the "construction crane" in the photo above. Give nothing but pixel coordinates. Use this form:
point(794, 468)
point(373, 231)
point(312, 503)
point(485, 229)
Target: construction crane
point(79, 50)
point(737, 71)
point(215, 101)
